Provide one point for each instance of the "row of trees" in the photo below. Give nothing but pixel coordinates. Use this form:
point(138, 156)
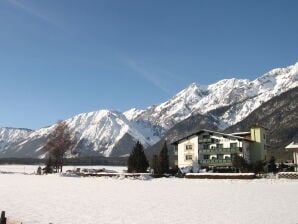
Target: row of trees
point(160, 163)
point(138, 163)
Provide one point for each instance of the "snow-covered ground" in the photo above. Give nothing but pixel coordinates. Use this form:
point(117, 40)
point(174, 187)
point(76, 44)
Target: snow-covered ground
point(53, 199)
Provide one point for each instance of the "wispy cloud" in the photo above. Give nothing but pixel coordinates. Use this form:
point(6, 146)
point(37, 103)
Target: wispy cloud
point(160, 79)
point(25, 6)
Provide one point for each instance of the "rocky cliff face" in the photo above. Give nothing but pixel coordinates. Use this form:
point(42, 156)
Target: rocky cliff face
point(280, 116)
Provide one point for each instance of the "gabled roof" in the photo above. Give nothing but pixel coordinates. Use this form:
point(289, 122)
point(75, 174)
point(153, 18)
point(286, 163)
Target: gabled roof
point(210, 132)
point(292, 145)
point(241, 133)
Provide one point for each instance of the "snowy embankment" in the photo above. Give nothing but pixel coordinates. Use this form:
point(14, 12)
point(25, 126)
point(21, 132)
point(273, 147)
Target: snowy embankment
point(65, 200)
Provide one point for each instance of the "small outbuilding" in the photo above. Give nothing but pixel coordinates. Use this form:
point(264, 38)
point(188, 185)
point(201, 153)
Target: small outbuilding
point(293, 147)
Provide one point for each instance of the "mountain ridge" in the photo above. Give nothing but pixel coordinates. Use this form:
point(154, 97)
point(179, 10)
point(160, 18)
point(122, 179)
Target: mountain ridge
point(280, 116)
point(107, 132)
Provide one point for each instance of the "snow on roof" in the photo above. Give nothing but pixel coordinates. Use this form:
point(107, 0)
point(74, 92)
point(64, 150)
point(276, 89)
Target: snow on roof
point(213, 132)
point(292, 145)
point(241, 133)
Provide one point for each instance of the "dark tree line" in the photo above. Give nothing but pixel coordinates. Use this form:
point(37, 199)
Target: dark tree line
point(138, 163)
point(160, 163)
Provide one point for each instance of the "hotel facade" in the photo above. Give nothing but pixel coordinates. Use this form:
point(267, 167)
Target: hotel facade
point(210, 149)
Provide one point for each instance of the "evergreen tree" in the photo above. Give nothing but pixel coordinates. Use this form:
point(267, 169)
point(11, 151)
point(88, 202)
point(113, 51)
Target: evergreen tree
point(163, 159)
point(137, 161)
point(155, 164)
point(160, 163)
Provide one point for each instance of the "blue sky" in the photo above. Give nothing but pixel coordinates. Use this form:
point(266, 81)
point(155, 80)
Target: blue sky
point(59, 58)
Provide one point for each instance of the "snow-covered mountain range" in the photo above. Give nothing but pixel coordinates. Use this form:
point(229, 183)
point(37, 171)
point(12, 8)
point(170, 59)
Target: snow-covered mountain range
point(112, 133)
point(11, 135)
point(247, 95)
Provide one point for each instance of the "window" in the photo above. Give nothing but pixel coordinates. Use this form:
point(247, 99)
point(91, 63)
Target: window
point(205, 136)
point(206, 156)
point(205, 147)
point(233, 145)
point(188, 147)
point(188, 157)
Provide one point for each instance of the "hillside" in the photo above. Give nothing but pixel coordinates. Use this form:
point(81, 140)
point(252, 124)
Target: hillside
point(280, 116)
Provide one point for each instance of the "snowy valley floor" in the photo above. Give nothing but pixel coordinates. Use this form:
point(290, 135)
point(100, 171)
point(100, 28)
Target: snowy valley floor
point(73, 200)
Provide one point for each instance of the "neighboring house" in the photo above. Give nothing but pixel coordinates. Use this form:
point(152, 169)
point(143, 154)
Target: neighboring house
point(209, 149)
point(294, 148)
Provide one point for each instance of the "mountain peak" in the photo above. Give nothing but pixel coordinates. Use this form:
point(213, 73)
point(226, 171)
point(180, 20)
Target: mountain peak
point(107, 132)
point(194, 90)
point(132, 113)
point(192, 85)
point(291, 70)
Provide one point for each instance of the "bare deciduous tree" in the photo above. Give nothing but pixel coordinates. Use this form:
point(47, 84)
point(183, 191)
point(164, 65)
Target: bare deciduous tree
point(59, 141)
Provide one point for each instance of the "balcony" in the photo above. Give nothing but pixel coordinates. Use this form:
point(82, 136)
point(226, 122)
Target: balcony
point(221, 151)
point(206, 140)
point(216, 162)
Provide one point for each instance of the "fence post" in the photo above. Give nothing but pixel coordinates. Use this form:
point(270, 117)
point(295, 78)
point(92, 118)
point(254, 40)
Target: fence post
point(3, 219)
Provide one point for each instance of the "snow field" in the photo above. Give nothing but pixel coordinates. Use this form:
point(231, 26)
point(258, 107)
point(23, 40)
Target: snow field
point(67, 200)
